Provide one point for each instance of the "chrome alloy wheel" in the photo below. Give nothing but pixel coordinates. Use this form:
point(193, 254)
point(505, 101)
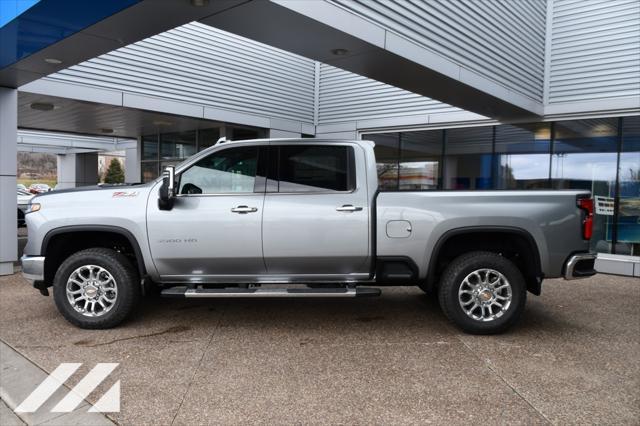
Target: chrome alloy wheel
point(485, 295)
point(91, 290)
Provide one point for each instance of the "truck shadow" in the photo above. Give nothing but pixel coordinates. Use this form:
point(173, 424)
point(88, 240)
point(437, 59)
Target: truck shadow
point(397, 309)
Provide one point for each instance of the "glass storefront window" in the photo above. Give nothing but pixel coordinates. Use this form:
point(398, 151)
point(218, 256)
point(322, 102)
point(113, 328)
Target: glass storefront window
point(585, 157)
point(240, 134)
point(628, 226)
point(150, 147)
point(420, 156)
point(161, 150)
point(149, 170)
point(576, 154)
point(387, 151)
point(177, 145)
point(207, 138)
point(468, 158)
point(522, 154)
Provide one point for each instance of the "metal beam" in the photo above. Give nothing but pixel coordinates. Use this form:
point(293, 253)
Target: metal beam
point(69, 143)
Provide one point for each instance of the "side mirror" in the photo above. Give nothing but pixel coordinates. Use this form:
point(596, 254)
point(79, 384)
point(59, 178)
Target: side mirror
point(167, 193)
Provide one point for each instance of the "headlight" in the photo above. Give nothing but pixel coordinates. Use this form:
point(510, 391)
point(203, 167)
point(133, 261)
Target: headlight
point(33, 207)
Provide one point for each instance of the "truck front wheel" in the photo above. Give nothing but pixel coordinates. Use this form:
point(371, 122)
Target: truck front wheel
point(96, 288)
point(482, 292)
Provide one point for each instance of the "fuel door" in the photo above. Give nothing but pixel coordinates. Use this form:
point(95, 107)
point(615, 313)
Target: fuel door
point(398, 229)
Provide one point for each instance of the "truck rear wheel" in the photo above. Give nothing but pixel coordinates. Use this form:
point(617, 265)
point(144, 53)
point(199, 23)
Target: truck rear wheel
point(482, 292)
point(96, 288)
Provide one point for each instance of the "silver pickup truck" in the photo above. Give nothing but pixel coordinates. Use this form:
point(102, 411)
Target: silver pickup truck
point(301, 218)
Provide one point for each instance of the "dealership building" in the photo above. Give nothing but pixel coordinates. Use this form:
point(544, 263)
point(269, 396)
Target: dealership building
point(457, 95)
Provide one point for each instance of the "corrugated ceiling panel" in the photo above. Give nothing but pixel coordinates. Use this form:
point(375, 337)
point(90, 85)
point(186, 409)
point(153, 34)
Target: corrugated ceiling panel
point(201, 64)
point(501, 40)
point(595, 50)
point(345, 96)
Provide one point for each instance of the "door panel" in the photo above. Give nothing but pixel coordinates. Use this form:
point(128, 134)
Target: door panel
point(214, 231)
point(201, 236)
point(320, 227)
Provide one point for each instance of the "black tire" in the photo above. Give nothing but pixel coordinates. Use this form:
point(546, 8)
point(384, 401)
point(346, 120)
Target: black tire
point(452, 280)
point(126, 281)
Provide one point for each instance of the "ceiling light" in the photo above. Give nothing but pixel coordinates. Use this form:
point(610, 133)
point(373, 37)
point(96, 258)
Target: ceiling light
point(106, 130)
point(42, 106)
point(53, 61)
point(199, 3)
point(339, 52)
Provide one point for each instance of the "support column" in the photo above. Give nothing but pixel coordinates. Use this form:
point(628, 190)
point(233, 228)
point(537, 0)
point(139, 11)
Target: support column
point(8, 170)
point(77, 170)
point(132, 172)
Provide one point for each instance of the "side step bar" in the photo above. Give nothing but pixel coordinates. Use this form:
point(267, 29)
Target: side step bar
point(268, 292)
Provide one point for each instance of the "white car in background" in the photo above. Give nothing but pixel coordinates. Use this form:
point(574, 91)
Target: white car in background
point(39, 188)
point(24, 197)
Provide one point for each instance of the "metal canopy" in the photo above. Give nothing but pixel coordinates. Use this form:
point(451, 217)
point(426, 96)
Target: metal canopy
point(73, 116)
point(316, 30)
point(56, 34)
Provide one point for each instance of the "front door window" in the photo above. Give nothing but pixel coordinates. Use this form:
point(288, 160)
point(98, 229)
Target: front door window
point(229, 171)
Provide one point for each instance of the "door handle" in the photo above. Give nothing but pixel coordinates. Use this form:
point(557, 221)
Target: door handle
point(348, 208)
point(244, 209)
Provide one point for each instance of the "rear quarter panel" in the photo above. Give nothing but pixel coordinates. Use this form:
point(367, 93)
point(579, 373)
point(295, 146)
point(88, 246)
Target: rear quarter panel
point(551, 218)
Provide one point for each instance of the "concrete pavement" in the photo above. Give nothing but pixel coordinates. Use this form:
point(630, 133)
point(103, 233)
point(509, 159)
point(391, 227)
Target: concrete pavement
point(394, 359)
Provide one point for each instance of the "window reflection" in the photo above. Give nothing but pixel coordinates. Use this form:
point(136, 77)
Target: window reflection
point(420, 160)
point(228, 171)
point(585, 157)
point(160, 150)
point(315, 168)
point(177, 145)
point(387, 151)
point(468, 158)
point(522, 156)
point(628, 229)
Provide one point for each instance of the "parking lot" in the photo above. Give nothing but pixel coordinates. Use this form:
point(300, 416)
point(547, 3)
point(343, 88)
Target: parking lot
point(388, 360)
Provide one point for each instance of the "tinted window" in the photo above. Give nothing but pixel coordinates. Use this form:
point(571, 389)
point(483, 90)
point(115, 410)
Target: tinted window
point(316, 168)
point(231, 170)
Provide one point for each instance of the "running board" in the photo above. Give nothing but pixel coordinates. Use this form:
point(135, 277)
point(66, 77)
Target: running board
point(268, 292)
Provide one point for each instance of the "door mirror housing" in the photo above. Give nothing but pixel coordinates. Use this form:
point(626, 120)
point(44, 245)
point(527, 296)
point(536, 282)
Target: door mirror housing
point(167, 193)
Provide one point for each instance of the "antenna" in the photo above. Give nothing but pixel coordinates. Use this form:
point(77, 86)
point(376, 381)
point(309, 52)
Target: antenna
point(222, 140)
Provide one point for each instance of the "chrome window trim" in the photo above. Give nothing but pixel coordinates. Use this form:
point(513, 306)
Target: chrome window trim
point(314, 192)
point(219, 194)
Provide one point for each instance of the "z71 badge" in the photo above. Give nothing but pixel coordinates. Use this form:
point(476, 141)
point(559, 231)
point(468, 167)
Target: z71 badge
point(121, 194)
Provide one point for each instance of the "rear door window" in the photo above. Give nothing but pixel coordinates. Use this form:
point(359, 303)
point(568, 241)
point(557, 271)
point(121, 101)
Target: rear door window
point(316, 168)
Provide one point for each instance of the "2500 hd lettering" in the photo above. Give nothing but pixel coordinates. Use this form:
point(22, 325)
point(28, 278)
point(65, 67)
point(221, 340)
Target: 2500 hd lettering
point(301, 218)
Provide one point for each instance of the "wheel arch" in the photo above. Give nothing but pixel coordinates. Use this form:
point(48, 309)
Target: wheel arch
point(533, 272)
point(98, 230)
